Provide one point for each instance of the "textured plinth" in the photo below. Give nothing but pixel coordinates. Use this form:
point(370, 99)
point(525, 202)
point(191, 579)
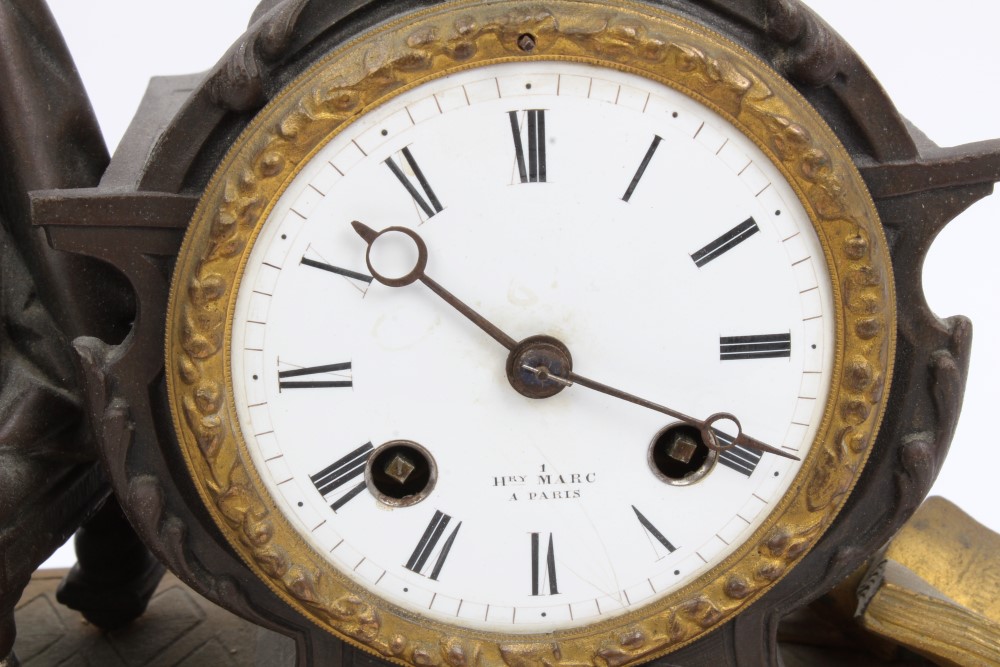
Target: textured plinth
point(180, 628)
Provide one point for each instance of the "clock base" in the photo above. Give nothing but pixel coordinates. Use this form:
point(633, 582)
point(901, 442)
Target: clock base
point(181, 628)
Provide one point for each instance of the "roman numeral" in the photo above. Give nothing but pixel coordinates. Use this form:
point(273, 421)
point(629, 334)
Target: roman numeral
point(726, 242)
point(642, 168)
point(767, 346)
point(739, 458)
point(543, 572)
point(533, 170)
point(424, 196)
point(340, 472)
point(428, 543)
point(347, 273)
point(314, 370)
point(653, 531)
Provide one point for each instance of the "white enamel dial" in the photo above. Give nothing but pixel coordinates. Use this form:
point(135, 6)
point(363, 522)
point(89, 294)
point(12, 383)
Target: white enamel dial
point(627, 221)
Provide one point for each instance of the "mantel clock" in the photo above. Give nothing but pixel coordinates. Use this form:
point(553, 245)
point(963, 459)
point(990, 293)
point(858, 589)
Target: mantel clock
point(524, 333)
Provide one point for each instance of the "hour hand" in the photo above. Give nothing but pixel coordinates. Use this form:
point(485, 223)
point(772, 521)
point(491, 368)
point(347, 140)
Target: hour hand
point(403, 241)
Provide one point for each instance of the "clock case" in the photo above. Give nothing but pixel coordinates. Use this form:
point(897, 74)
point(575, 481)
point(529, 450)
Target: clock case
point(135, 216)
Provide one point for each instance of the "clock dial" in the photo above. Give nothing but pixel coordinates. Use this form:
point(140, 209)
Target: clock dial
point(493, 338)
point(703, 287)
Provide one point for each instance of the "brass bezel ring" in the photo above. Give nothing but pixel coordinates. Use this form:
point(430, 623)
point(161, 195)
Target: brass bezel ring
point(420, 46)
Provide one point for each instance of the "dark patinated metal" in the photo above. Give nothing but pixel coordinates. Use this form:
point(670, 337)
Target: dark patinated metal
point(132, 216)
point(51, 479)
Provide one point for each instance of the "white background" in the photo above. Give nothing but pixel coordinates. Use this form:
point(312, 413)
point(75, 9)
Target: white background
point(939, 63)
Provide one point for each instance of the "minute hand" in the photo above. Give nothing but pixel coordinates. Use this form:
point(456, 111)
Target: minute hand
point(708, 434)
